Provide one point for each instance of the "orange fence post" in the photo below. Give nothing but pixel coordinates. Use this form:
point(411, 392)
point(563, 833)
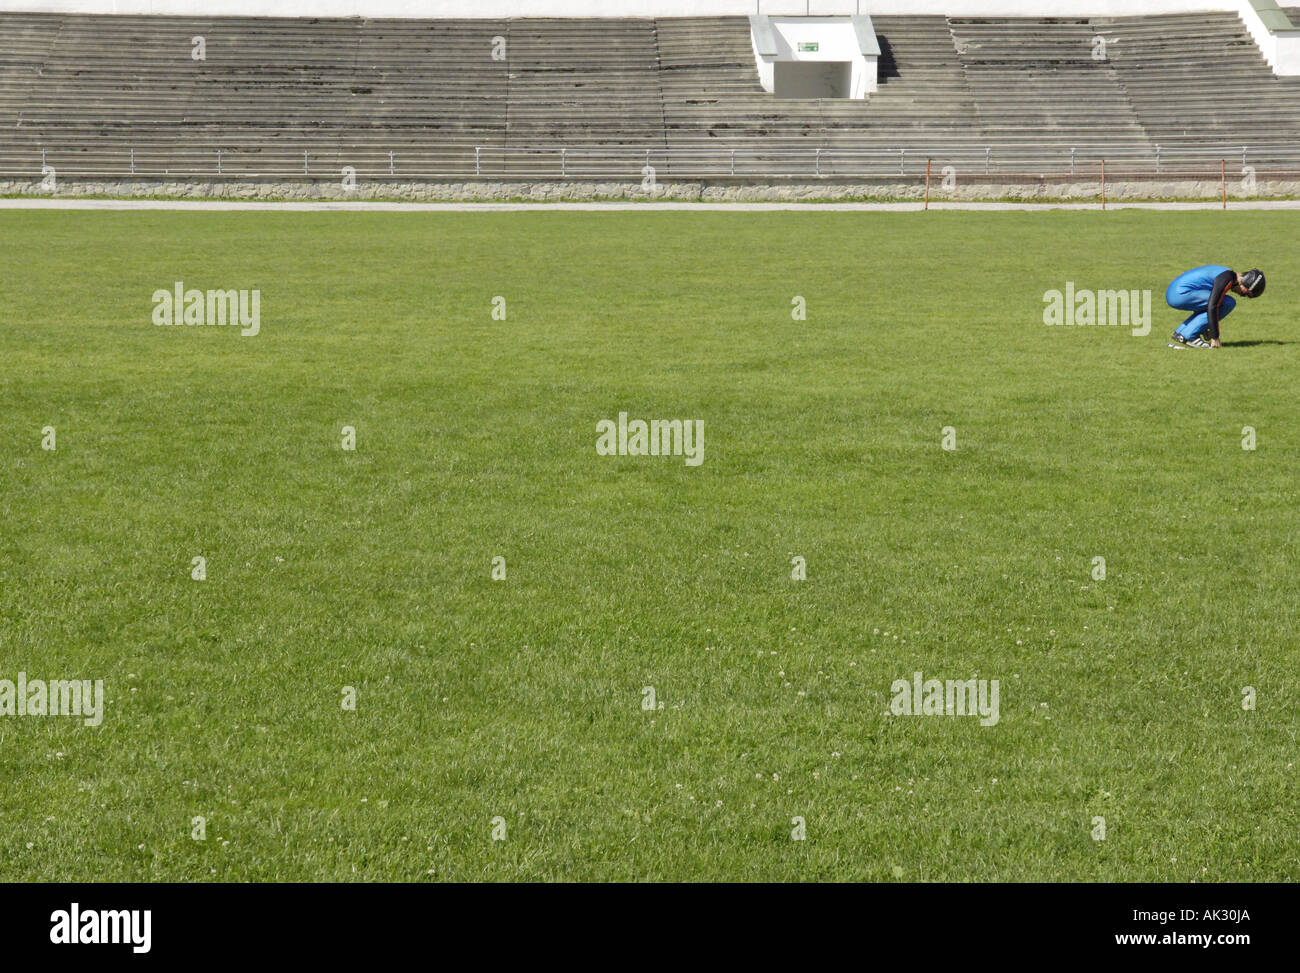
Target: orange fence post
point(927, 183)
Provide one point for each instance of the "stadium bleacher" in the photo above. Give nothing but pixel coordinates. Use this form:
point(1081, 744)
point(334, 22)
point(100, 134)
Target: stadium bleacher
point(274, 98)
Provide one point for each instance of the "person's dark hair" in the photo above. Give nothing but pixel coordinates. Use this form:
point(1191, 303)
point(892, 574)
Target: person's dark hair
point(1253, 281)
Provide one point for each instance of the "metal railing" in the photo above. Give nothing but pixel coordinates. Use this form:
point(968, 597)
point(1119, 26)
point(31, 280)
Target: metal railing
point(748, 160)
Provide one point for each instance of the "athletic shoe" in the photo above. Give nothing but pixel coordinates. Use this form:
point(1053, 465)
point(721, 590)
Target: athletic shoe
point(1198, 342)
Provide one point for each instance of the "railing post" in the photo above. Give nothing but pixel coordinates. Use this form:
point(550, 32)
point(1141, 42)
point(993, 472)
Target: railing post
point(733, 162)
point(1157, 160)
point(304, 162)
point(564, 163)
point(133, 161)
point(1072, 161)
point(477, 150)
point(817, 162)
point(391, 170)
point(1243, 157)
point(218, 162)
point(988, 159)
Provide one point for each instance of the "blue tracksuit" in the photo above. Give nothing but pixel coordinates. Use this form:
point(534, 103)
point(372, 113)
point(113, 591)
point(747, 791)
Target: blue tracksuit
point(1193, 291)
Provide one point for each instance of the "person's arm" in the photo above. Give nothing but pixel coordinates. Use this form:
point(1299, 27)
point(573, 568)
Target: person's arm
point(1222, 284)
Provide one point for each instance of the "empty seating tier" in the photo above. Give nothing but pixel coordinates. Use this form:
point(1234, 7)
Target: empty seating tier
point(271, 98)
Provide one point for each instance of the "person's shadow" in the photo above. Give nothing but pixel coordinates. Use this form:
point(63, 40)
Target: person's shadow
point(1252, 344)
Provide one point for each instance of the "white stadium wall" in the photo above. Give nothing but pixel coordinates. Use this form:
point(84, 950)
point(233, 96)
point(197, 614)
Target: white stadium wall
point(498, 9)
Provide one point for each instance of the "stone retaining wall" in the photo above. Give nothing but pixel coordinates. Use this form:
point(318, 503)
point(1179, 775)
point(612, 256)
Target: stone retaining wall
point(700, 191)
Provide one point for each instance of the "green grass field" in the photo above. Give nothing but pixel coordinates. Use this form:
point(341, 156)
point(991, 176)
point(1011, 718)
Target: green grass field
point(521, 699)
